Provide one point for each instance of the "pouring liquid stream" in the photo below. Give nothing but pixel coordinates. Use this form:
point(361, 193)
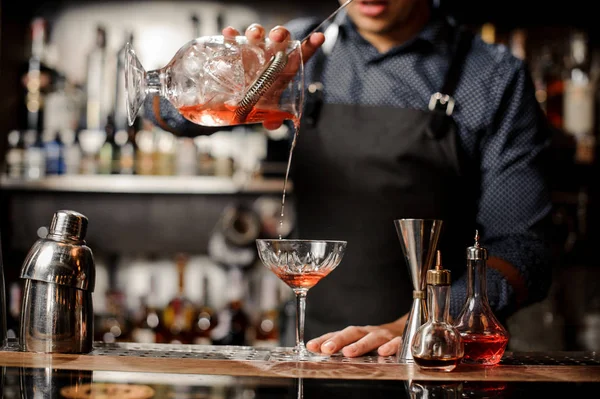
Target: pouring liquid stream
point(296, 122)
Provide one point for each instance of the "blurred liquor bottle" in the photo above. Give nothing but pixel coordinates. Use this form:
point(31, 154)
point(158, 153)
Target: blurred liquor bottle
point(186, 161)
point(34, 159)
point(266, 329)
point(96, 85)
point(144, 158)
point(90, 141)
point(165, 152)
point(15, 155)
point(234, 322)
point(62, 105)
point(148, 326)
point(53, 150)
point(547, 71)
point(178, 315)
point(206, 319)
point(109, 152)
point(222, 148)
point(35, 80)
point(72, 151)
point(579, 97)
point(127, 149)
point(98, 100)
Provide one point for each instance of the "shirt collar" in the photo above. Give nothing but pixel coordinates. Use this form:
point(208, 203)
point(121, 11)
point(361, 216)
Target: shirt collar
point(435, 35)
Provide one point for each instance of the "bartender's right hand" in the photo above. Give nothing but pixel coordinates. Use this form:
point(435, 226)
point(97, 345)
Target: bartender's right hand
point(256, 33)
point(358, 340)
point(279, 37)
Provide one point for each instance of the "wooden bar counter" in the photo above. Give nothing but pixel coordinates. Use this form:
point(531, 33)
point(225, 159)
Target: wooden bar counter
point(164, 369)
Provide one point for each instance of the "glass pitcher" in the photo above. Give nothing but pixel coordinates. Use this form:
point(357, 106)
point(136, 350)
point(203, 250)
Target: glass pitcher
point(484, 337)
point(221, 81)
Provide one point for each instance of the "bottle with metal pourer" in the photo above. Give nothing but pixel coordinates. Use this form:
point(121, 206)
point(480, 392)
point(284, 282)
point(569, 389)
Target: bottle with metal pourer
point(485, 339)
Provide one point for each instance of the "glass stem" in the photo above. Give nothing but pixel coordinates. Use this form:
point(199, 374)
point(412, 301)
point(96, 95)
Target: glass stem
point(155, 82)
point(300, 388)
point(300, 309)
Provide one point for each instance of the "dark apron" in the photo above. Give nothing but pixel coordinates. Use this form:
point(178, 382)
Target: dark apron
point(356, 169)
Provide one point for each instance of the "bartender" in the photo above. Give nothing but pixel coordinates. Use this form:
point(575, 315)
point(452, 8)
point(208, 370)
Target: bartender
point(411, 116)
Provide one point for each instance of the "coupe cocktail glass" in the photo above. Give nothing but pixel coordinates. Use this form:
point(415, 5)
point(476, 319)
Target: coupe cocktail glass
point(301, 264)
point(220, 81)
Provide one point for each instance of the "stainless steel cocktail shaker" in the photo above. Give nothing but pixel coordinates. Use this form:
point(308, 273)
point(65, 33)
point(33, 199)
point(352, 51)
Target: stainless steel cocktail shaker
point(57, 312)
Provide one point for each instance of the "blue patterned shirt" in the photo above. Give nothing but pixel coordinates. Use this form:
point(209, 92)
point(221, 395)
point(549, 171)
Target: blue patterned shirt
point(498, 120)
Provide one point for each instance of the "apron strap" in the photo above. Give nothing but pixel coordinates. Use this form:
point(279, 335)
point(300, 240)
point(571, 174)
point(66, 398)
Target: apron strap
point(443, 100)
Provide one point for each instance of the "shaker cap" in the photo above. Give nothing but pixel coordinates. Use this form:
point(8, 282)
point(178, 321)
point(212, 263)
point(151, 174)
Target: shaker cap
point(438, 275)
point(477, 252)
point(68, 224)
point(62, 258)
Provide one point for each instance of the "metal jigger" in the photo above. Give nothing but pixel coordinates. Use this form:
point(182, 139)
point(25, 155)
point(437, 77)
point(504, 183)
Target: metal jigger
point(419, 239)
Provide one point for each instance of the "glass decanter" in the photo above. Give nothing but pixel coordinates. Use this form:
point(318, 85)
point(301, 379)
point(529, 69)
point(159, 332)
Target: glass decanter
point(484, 338)
point(221, 81)
point(437, 344)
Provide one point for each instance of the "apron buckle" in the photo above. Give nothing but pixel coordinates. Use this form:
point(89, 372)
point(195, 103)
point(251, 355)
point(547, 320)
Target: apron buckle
point(441, 102)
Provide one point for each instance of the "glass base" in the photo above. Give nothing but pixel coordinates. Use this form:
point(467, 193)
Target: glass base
point(297, 354)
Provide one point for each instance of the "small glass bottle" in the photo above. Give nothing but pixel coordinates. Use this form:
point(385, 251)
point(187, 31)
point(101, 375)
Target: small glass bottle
point(437, 344)
point(484, 338)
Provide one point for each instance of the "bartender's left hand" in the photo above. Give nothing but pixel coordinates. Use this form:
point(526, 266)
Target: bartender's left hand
point(356, 341)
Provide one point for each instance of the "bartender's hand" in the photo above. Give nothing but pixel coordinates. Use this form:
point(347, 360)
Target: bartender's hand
point(279, 37)
point(356, 341)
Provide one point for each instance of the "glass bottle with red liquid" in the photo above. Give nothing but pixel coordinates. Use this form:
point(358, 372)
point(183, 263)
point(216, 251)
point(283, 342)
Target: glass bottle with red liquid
point(483, 336)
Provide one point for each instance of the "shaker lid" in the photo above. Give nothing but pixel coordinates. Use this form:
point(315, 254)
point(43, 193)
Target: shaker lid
point(62, 258)
point(68, 224)
point(477, 252)
point(438, 275)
